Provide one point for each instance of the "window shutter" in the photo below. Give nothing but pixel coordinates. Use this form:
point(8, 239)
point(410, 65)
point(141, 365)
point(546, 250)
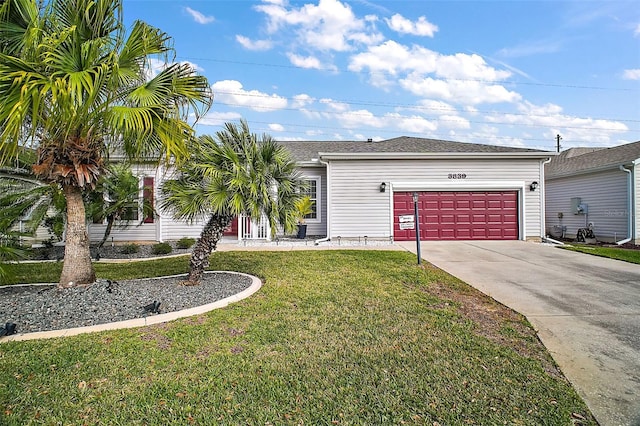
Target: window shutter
point(147, 195)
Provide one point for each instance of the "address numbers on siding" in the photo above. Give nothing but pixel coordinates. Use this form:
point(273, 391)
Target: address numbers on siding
point(457, 175)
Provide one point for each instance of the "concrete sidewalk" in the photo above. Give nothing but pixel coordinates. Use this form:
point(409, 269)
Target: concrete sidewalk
point(586, 310)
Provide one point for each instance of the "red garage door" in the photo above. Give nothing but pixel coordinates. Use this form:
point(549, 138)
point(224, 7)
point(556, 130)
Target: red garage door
point(457, 215)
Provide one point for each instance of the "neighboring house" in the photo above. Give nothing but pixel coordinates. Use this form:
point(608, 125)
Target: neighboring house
point(600, 186)
point(365, 190)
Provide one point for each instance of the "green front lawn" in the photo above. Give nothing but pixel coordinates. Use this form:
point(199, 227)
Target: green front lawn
point(333, 337)
point(627, 255)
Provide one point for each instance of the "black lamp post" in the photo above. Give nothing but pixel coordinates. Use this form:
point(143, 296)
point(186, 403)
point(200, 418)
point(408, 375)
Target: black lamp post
point(417, 221)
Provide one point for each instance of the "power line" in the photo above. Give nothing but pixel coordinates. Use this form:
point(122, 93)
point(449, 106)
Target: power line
point(488, 138)
point(462, 119)
point(398, 105)
point(333, 69)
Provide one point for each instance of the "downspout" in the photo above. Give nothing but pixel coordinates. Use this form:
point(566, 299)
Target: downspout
point(328, 237)
point(543, 207)
point(630, 206)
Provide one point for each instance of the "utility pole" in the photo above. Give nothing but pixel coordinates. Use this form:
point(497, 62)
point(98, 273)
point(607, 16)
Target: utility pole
point(558, 138)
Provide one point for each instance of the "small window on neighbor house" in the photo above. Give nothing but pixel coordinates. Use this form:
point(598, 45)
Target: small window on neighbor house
point(312, 192)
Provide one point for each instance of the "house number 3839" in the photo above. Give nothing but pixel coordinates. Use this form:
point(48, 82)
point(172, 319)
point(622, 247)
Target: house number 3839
point(457, 175)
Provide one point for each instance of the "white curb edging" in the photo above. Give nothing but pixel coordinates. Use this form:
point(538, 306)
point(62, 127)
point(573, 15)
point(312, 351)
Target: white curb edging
point(256, 284)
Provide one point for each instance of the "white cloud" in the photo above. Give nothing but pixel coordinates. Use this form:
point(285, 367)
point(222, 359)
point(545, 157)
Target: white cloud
point(579, 130)
point(633, 74)
point(461, 78)
point(421, 27)
point(433, 107)
point(359, 118)
point(393, 58)
point(231, 92)
point(199, 17)
point(256, 45)
point(155, 66)
point(274, 127)
point(193, 66)
point(219, 118)
point(459, 91)
point(637, 31)
point(328, 26)
point(454, 122)
point(309, 62)
point(335, 105)
point(302, 100)
point(413, 124)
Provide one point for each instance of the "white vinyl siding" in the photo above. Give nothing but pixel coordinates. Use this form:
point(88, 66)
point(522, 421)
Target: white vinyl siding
point(318, 227)
point(172, 229)
point(136, 230)
point(604, 193)
point(358, 208)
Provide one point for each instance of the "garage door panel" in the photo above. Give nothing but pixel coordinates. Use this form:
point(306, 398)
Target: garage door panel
point(460, 215)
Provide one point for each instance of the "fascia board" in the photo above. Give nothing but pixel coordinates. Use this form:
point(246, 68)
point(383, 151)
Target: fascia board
point(432, 155)
point(461, 185)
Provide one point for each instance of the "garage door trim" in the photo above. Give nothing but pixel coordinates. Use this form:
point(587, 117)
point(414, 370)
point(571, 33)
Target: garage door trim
point(458, 185)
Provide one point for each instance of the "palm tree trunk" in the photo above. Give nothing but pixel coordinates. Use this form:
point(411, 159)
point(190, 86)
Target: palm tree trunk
point(110, 219)
point(206, 244)
point(77, 268)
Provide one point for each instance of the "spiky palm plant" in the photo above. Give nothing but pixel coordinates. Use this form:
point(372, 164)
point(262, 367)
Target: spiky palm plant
point(74, 84)
point(235, 172)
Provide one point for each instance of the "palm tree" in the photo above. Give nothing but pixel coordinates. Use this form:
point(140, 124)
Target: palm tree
point(75, 85)
point(27, 202)
point(116, 195)
point(231, 174)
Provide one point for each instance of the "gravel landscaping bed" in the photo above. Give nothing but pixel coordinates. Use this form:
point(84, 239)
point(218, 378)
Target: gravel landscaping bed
point(45, 307)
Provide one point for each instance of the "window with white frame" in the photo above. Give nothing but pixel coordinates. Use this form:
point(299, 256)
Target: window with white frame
point(312, 191)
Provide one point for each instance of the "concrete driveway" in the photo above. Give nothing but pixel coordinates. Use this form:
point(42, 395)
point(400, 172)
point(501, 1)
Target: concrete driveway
point(586, 310)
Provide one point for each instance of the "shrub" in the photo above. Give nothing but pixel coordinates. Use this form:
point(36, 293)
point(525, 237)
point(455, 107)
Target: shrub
point(161, 248)
point(185, 242)
point(129, 248)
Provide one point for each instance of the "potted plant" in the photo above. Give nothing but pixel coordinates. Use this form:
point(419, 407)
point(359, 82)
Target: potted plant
point(304, 207)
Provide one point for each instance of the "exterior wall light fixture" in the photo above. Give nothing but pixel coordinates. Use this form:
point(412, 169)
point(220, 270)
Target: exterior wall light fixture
point(533, 186)
point(383, 187)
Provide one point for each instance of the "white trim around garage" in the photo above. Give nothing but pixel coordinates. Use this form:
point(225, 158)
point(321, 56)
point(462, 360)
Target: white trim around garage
point(463, 185)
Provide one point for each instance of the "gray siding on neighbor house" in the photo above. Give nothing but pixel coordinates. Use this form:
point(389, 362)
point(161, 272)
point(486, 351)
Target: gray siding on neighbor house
point(358, 208)
point(604, 193)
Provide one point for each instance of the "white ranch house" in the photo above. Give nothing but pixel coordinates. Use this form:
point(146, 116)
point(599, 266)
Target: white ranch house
point(365, 189)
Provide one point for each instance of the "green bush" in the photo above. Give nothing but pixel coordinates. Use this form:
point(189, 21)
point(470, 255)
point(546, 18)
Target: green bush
point(185, 242)
point(129, 248)
point(161, 248)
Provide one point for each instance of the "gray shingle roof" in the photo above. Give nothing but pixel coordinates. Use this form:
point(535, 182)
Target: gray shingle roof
point(582, 160)
point(306, 150)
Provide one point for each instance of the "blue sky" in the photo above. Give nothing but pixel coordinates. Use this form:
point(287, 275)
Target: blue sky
point(514, 73)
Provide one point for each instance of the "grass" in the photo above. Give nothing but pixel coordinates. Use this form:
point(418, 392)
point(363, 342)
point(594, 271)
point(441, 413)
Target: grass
point(333, 337)
point(627, 255)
